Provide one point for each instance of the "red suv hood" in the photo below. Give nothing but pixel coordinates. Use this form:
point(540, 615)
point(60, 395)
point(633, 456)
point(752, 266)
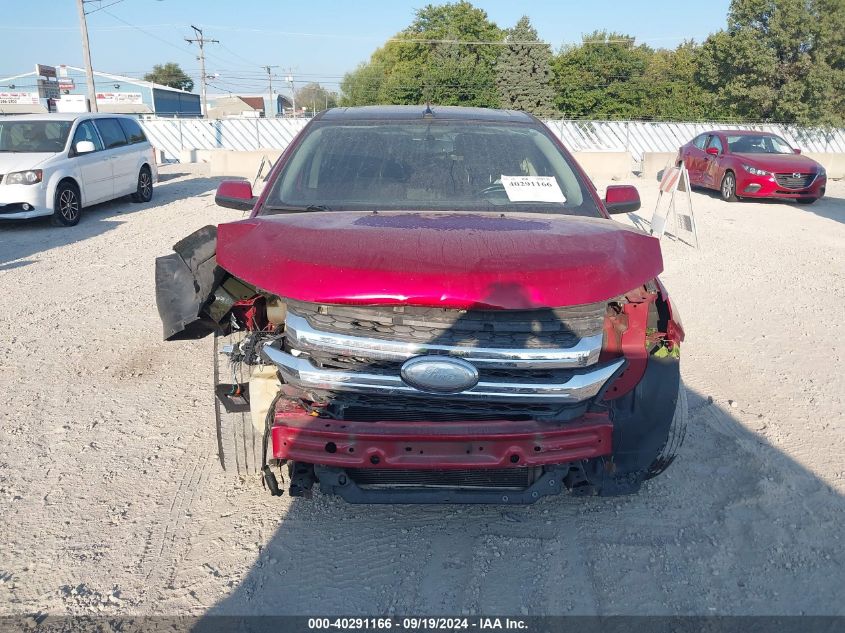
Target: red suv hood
point(446, 260)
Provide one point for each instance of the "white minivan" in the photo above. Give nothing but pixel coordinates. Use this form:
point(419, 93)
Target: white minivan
point(56, 164)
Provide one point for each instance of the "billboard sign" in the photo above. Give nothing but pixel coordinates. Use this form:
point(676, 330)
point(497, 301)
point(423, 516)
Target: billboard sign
point(19, 98)
point(48, 89)
point(48, 72)
point(66, 83)
point(119, 98)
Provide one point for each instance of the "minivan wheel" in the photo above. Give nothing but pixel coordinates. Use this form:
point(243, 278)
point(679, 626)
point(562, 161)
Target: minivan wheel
point(67, 205)
point(144, 192)
point(728, 187)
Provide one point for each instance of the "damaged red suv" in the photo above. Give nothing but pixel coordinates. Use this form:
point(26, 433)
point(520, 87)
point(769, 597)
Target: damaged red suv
point(432, 305)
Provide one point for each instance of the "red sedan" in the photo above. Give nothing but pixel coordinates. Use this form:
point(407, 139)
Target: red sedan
point(746, 164)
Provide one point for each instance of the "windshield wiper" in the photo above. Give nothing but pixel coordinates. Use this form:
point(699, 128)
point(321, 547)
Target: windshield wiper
point(287, 209)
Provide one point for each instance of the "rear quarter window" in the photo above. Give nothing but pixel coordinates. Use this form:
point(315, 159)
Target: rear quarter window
point(133, 131)
point(111, 132)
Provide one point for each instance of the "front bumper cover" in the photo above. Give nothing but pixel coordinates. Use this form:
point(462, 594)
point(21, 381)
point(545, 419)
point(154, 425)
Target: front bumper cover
point(752, 186)
point(299, 437)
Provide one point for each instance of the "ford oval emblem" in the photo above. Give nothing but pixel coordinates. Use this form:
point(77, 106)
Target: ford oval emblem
point(439, 374)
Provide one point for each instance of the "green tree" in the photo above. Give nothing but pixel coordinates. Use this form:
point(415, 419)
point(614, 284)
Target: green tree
point(314, 97)
point(780, 60)
point(603, 78)
point(170, 74)
point(444, 56)
point(524, 72)
point(672, 92)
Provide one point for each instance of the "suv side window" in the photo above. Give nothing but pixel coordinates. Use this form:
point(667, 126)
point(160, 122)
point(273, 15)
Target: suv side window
point(715, 142)
point(133, 131)
point(111, 132)
point(700, 140)
point(86, 131)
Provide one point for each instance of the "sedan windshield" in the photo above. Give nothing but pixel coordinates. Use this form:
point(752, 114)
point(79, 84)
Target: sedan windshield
point(34, 136)
point(429, 165)
point(758, 144)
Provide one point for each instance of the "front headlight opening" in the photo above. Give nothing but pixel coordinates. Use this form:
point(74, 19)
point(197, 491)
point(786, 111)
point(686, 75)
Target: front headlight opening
point(753, 170)
point(28, 177)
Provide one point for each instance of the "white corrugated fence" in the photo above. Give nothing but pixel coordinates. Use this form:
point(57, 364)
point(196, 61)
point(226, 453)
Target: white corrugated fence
point(635, 137)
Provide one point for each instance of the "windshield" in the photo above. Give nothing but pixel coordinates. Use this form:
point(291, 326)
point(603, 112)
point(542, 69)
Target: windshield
point(429, 165)
point(34, 136)
point(758, 144)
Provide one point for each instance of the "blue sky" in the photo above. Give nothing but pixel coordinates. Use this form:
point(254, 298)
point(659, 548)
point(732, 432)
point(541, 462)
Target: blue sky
point(319, 39)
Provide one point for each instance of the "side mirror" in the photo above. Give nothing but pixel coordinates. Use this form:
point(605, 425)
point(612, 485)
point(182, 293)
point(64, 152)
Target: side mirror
point(796, 150)
point(621, 199)
point(713, 151)
point(235, 194)
point(84, 147)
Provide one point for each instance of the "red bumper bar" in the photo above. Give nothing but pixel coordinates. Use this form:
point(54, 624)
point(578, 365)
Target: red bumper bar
point(438, 445)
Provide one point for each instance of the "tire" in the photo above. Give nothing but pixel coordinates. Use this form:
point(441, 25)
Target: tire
point(677, 432)
point(239, 443)
point(67, 205)
point(806, 200)
point(727, 188)
point(144, 192)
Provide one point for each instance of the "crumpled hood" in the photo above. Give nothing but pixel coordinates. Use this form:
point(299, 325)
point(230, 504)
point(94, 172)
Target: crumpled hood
point(449, 260)
point(10, 161)
point(781, 163)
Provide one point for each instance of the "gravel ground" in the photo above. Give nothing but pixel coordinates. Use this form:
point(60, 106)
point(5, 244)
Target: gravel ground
point(112, 500)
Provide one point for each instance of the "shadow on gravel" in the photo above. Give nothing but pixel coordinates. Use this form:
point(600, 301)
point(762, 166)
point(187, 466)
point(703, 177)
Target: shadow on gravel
point(827, 207)
point(734, 526)
point(20, 239)
point(830, 208)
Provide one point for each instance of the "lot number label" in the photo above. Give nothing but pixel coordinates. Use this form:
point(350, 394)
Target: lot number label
point(532, 189)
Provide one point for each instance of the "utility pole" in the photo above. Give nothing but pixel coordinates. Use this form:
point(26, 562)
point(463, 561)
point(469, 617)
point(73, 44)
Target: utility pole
point(289, 79)
point(86, 53)
point(270, 79)
point(202, 41)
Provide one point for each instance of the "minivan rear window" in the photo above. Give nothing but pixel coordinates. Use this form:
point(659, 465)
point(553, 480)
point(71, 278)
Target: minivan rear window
point(132, 131)
point(111, 132)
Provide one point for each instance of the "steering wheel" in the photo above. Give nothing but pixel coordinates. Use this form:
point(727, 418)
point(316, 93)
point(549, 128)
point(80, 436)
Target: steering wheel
point(496, 187)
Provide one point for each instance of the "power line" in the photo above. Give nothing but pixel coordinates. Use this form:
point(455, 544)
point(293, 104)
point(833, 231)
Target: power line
point(100, 8)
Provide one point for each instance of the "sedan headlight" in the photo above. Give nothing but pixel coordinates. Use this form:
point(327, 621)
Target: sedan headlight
point(754, 170)
point(821, 173)
point(29, 177)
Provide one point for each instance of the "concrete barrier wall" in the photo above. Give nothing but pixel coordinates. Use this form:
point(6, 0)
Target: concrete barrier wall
point(226, 162)
point(605, 165)
point(834, 164)
point(655, 162)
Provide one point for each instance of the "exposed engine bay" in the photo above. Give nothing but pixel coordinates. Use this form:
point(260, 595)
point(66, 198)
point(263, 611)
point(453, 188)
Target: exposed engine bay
point(331, 390)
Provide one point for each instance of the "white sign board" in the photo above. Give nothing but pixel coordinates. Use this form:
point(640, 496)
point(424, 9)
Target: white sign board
point(532, 189)
point(19, 98)
point(119, 98)
point(72, 103)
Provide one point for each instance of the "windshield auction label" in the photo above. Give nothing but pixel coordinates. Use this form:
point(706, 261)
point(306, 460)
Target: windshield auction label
point(532, 189)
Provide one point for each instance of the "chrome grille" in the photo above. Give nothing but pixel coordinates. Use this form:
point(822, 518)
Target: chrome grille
point(795, 181)
point(531, 329)
point(524, 359)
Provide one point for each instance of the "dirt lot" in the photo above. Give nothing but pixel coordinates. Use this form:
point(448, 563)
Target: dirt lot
point(112, 500)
